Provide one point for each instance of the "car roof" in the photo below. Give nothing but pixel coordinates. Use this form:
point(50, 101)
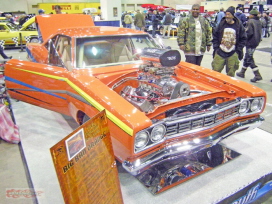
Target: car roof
point(98, 31)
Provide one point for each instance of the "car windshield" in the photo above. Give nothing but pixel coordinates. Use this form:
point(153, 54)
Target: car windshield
point(109, 50)
point(12, 27)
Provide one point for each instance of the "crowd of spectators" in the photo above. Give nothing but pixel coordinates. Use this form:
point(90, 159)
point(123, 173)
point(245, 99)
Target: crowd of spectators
point(229, 32)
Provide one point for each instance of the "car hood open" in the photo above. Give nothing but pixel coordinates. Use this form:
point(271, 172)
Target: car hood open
point(49, 24)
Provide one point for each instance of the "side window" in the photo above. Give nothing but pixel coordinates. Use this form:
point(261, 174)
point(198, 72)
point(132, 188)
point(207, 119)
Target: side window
point(53, 58)
point(60, 52)
point(2, 28)
point(62, 43)
point(53, 40)
point(31, 27)
point(64, 49)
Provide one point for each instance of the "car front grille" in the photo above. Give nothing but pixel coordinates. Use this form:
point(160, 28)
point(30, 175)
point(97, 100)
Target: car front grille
point(203, 120)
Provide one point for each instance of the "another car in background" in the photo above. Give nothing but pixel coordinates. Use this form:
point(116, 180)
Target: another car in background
point(13, 35)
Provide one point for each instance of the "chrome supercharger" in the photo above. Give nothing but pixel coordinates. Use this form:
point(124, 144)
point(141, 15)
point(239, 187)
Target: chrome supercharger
point(157, 82)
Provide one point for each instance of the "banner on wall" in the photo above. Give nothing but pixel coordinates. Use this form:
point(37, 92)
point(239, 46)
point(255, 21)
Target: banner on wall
point(85, 164)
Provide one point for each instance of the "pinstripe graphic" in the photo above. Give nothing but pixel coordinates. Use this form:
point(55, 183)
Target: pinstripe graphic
point(88, 98)
point(30, 55)
point(32, 87)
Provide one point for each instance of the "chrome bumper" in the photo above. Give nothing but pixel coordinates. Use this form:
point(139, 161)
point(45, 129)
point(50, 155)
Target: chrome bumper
point(184, 148)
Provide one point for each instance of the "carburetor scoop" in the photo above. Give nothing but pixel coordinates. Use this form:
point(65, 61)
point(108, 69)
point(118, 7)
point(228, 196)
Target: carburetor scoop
point(167, 58)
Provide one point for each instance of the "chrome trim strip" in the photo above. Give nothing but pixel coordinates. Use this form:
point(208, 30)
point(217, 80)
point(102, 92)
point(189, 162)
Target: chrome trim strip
point(194, 116)
point(182, 148)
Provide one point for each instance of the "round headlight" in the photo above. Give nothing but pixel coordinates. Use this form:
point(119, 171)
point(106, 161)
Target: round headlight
point(141, 139)
point(243, 107)
point(256, 105)
point(157, 133)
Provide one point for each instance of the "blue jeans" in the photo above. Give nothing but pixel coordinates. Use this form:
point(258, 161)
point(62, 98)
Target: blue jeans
point(128, 25)
point(138, 28)
point(2, 53)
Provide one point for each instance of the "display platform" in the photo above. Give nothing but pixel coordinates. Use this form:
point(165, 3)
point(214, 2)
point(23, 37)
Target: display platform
point(40, 129)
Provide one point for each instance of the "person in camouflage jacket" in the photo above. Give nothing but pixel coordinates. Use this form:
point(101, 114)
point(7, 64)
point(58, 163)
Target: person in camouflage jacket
point(194, 36)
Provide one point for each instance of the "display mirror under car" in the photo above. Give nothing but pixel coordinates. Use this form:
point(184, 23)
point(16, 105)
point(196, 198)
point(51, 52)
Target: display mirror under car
point(165, 175)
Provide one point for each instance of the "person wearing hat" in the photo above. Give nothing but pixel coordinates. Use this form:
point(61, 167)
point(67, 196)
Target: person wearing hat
point(254, 37)
point(229, 39)
point(41, 11)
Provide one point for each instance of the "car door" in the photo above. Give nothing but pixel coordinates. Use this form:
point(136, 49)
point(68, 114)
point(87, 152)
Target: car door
point(44, 85)
point(4, 33)
point(9, 34)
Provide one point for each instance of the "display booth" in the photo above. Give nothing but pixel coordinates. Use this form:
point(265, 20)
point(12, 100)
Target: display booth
point(41, 129)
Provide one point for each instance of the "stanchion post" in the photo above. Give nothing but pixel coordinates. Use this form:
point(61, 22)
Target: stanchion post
point(21, 42)
point(174, 34)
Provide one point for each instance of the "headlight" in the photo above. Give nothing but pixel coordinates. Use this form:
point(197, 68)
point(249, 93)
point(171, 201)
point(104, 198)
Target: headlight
point(141, 139)
point(157, 133)
point(243, 107)
point(256, 104)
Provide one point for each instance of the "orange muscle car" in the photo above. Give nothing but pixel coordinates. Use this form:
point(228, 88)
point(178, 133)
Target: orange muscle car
point(159, 108)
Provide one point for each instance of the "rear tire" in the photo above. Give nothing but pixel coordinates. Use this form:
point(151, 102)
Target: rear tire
point(34, 40)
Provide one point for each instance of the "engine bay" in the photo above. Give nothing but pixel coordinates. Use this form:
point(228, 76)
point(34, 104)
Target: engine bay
point(155, 83)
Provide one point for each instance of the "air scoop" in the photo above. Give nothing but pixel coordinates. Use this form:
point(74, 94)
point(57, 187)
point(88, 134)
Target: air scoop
point(165, 57)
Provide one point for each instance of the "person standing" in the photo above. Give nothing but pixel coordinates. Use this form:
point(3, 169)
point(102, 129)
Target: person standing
point(41, 12)
point(194, 36)
point(123, 19)
point(266, 25)
point(155, 23)
point(240, 15)
point(57, 9)
point(139, 21)
point(229, 39)
point(166, 22)
point(220, 15)
point(10, 18)
point(128, 20)
point(254, 37)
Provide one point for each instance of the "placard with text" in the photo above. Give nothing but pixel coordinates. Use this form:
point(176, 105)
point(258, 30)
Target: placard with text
point(85, 164)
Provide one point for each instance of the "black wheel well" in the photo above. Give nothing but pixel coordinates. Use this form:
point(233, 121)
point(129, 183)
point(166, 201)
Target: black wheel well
point(80, 116)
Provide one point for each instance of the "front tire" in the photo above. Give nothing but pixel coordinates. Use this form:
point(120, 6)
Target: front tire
point(34, 40)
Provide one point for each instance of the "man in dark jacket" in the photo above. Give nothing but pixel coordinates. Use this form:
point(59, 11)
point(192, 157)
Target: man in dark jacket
point(229, 39)
point(166, 21)
point(254, 37)
point(155, 23)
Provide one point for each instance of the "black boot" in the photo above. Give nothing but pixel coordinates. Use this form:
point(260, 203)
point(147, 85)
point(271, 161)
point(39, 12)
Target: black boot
point(257, 77)
point(242, 72)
